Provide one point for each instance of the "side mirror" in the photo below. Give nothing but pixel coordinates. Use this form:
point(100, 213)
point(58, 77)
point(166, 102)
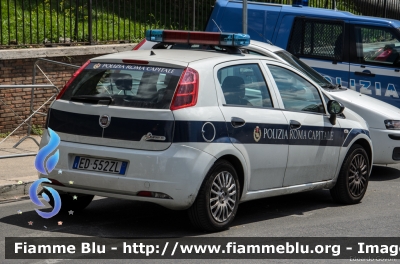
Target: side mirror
point(334, 108)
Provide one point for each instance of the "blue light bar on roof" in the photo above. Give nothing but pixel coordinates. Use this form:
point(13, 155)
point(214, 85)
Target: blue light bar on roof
point(196, 37)
point(155, 35)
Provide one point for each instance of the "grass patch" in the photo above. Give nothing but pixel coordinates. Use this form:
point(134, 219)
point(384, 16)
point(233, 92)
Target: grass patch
point(37, 130)
point(25, 22)
point(4, 135)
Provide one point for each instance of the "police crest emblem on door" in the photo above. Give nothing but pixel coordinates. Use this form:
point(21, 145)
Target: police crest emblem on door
point(257, 134)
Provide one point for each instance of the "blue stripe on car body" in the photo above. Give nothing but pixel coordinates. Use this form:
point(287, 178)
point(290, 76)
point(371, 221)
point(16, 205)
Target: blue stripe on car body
point(191, 131)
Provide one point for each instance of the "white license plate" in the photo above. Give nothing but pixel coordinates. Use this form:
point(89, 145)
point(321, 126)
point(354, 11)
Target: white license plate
point(101, 165)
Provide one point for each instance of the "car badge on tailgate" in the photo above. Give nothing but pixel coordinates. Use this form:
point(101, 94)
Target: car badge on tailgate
point(150, 136)
point(104, 121)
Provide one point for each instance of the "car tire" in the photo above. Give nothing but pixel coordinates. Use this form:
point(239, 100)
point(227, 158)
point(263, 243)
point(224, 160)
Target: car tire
point(217, 201)
point(69, 203)
point(353, 177)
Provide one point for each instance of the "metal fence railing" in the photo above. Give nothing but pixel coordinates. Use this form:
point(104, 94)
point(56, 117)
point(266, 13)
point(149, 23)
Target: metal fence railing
point(71, 22)
point(39, 105)
point(26, 120)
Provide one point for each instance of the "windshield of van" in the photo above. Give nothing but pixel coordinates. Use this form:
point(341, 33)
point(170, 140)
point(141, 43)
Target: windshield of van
point(307, 70)
point(124, 85)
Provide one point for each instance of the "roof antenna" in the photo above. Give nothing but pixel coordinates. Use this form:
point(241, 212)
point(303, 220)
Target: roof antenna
point(217, 25)
point(152, 53)
point(261, 35)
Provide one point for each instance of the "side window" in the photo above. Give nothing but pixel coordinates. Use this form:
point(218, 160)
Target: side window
point(377, 46)
point(315, 38)
point(297, 93)
point(244, 85)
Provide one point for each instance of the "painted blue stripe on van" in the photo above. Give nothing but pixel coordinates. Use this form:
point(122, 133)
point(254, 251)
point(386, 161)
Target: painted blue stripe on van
point(353, 133)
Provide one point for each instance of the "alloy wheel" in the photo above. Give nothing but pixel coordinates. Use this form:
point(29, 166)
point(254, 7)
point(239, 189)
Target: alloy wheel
point(358, 174)
point(223, 196)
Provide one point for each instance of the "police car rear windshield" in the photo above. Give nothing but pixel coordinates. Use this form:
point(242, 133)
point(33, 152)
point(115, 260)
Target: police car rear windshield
point(127, 85)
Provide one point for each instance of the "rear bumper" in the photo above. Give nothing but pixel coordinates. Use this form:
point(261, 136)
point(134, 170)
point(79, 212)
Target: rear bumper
point(177, 171)
point(384, 142)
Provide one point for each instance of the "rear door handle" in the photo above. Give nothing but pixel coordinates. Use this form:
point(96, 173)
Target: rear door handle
point(237, 122)
point(294, 124)
point(369, 74)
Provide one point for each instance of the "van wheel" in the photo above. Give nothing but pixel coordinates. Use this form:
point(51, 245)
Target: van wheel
point(353, 177)
point(69, 203)
point(217, 201)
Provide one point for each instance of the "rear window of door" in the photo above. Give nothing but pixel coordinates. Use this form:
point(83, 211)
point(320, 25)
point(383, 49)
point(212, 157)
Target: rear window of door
point(125, 85)
point(244, 85)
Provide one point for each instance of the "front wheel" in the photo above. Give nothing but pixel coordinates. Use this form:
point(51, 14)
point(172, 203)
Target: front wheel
point(218, 198)
point(353, 177)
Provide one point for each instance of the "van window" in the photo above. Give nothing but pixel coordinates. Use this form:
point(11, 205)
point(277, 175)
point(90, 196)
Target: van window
point(376, 45)
point(244, 85)
point(315, 38)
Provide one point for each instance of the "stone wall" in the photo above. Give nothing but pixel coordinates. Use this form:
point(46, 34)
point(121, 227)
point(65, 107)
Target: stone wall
point(16, 67)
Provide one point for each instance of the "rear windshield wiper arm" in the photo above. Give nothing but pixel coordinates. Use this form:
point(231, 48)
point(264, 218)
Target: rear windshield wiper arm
point(92, 99)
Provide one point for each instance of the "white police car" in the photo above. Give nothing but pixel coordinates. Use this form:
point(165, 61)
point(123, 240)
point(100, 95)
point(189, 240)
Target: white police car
point(202, 130)
point(383, 118)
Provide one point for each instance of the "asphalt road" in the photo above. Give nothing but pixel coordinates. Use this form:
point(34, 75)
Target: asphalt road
point(308, 214)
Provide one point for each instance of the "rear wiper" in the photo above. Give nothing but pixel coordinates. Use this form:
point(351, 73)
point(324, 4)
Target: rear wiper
point(105, 100)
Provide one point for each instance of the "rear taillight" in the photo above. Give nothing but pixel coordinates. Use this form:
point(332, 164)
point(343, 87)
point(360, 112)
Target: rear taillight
point(72, 79)
point(140, 44)
point(187, 91)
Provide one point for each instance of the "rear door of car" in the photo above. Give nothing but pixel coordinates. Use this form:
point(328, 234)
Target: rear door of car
point(255, 127)
point(117, 104)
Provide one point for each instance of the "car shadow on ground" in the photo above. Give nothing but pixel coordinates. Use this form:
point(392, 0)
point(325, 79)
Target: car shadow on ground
point(295, 205)
point(384, 173)
point(111, 217)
